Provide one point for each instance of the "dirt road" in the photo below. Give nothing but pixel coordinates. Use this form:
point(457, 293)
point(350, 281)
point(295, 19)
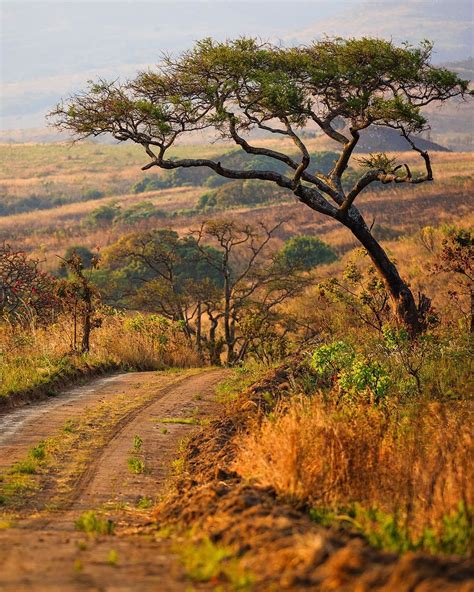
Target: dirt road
point(131, 427)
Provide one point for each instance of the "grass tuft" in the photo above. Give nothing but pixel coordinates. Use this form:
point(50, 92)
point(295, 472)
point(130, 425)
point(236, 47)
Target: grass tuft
point(90, 523)
point(136, 465)
point(208, 562)
point(178, 420)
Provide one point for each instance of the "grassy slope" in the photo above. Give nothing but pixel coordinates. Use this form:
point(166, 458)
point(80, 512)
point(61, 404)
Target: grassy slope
point(55, 169)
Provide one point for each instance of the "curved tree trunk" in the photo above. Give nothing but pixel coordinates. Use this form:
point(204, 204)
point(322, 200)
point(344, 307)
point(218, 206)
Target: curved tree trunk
point(406, 309)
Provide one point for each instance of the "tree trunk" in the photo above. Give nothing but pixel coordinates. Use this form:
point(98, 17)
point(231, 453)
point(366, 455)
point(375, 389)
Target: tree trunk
point(87, 324)
point(214, 349)
point(404, 303)
point(229, 340)
point(86, 332)
point(199, 329)
point(472, 311)
point(74, 333)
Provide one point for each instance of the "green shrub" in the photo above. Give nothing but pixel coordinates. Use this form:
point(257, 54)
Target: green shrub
point(91, 194)
point(391, 532)
point(144, 210)
point(208, 561)
point(338, 364)
point(38, 452)
point(136, 465)
point(241, 193)
point(24, 467)
point(90, 523)
point(103, 215)
point(327, 360)
point(137, 443)
point(150, 183)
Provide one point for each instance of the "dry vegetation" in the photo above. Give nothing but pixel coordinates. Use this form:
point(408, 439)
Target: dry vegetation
point(356, 447)
point(254, 482)
point(38, 361)
point(408, 466)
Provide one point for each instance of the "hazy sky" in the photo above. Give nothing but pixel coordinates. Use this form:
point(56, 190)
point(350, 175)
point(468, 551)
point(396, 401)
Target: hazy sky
point(50, 48)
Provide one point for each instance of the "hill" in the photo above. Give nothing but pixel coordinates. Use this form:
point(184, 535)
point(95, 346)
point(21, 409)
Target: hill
point(90, 176)
point(382, 139)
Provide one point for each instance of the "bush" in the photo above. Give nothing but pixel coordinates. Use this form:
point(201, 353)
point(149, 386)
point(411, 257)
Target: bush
point(400, 475)
point(104, 215)
point(352, 374)
point(91, 194)
point(387, 531)
point(90, 523)
point(305, 252)
point(144, 210)
point(86, 255)
point(151, 183)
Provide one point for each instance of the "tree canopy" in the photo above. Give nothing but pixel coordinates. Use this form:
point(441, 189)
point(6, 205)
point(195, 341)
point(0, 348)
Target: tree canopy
point(241, 85)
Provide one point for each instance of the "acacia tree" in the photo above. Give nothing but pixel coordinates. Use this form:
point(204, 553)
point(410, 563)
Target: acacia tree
point(239, 86)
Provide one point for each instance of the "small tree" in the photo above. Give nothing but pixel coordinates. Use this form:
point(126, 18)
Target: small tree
point(254, 283)
point(163, 273)
point(341, 86)
point(86, 255)
point(79, 295)
point(361, 292)
point(457, 259)
point(103, 215)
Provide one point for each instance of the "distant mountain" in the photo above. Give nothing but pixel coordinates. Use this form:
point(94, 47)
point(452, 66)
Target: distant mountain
point(383, 139)
point(448, 24)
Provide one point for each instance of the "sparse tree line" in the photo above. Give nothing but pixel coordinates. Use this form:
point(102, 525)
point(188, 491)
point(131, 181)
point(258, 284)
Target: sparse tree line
point(224, 286)
point(223, 283)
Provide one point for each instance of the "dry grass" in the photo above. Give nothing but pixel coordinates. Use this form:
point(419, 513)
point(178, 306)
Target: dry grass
point(29, 161)
point(36, 358)
point(141, 350)
point(46, 233)
point(412, 462)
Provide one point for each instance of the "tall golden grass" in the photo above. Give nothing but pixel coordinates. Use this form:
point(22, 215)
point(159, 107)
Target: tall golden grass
point(35, 357)
point(415, 463)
